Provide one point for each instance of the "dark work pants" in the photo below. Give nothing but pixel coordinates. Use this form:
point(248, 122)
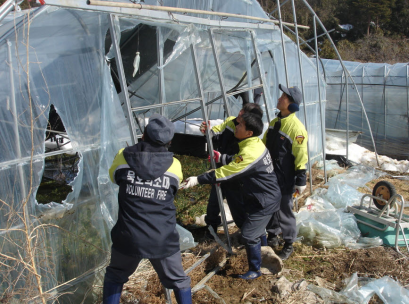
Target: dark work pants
point(235, 202)
point(169, 270)
point(254, 226)
point(283, 221)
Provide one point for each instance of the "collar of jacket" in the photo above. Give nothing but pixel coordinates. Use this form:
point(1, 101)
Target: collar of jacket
point(288, 116)
point(248, 140)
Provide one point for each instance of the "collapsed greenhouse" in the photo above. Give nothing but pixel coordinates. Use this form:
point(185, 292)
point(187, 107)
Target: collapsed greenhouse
point(81, 59)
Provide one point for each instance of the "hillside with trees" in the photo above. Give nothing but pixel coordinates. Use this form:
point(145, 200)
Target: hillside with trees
point(379, 33)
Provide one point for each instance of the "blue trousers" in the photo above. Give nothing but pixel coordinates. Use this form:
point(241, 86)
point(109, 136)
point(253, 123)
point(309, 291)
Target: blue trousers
point(254, 226)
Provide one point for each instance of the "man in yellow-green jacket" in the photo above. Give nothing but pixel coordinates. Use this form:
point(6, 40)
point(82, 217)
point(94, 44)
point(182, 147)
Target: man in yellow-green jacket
point(252, 170)
point(286, 139)
point(226, 143)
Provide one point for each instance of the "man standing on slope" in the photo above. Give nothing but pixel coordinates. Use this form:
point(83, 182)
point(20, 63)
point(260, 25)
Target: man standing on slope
point(286, 139)
point(148, 177)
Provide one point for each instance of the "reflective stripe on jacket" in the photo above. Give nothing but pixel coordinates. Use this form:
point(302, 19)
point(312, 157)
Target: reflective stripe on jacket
point(288, 149)
point(253, 171)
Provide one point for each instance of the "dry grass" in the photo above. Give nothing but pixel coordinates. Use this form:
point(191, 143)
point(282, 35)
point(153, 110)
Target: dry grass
point(307, 263)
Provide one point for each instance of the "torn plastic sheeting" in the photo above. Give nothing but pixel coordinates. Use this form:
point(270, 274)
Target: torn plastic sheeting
point(330, 165)
point(329, 296)
point(388, 290)
point(329, 229)
point(117, 28)
point(349, 294)
point(356, 176)
point(361, 290)
point(341, 195)
point(365, 242)
point(52, 210)
point(317, 203)
point(322, 222)
point(55, 210)
point(188, 37)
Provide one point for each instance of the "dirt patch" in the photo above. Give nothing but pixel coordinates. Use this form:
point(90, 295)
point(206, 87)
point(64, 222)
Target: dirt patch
point(401, 186)
point(307, 264)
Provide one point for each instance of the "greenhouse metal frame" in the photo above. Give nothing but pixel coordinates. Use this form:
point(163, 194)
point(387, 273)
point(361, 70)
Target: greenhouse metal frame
point(384, 90)
point(209, 59)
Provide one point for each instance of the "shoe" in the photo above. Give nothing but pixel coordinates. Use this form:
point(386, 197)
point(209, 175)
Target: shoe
point(273, 242)
point(286, 251)
point(254, 260)
point(263, 240)
point(111, 293)
point(183, 296)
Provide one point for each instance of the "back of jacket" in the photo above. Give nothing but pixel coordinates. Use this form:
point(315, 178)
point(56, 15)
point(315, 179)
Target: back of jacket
point(148, 177)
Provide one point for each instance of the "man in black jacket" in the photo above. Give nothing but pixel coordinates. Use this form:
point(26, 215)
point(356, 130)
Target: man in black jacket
point(148, 177)
point(252, 169)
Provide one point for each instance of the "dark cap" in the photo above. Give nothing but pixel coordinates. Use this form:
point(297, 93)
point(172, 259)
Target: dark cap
point(160, 130)
point(294, 92)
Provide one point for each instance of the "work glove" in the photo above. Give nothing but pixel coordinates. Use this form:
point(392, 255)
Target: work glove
point(299, 189)
point(216, 157)
point(203, 127)
point(190, 182)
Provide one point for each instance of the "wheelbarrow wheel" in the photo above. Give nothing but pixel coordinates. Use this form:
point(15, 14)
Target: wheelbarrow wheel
point(385, 190)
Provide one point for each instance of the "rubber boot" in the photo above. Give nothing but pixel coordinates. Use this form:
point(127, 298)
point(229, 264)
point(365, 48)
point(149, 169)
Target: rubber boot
point(263, 240)
point(254, 260)
point(111, 293)
point(183, 296)
point(286, 251)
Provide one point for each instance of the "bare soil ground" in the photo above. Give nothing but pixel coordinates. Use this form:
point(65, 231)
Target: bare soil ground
point(312, 265)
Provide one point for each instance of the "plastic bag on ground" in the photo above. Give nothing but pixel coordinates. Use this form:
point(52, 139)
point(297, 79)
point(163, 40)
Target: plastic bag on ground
point(349, 294)
point(329, 296)
point(331, 166)
point(317, 204)
point(365, 242)
point(186, 239)
point(388, 290)
point(361, 290)
point(329, 229)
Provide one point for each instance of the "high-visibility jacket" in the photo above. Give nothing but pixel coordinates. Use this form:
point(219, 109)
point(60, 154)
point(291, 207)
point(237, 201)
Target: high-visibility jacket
point(254, 172)
point(288, 149)
point(223, 137)
point(148, 177)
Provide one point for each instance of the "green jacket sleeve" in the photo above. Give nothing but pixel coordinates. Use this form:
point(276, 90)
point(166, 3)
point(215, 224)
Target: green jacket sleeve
point(119, 162)
point(220, 128)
